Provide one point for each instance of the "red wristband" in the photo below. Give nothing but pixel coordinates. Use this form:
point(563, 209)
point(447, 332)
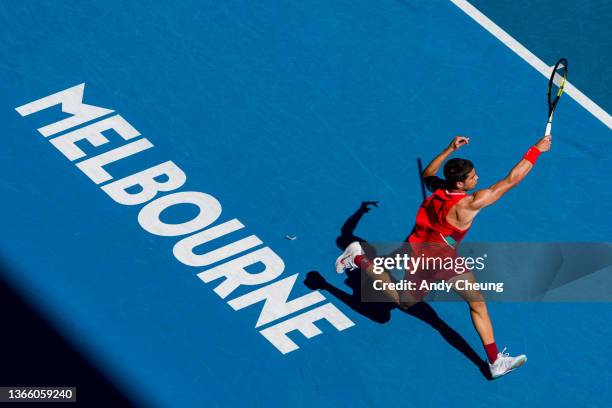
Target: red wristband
point(532, 154)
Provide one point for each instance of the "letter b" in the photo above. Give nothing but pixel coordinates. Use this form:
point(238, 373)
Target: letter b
point(146, 180)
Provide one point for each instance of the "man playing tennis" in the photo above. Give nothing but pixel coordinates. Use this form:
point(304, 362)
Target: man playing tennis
point(442, 222)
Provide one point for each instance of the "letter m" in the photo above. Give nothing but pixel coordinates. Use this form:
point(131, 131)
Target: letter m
point(71, 100)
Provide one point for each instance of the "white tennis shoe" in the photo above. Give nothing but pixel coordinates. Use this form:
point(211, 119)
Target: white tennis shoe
point(346, 261)
point(504, 364)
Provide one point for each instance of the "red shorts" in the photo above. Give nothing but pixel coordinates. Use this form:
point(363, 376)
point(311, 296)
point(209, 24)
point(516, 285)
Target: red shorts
point(439, 261)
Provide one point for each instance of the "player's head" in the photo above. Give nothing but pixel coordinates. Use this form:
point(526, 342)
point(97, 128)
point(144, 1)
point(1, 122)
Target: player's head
point(460, 174)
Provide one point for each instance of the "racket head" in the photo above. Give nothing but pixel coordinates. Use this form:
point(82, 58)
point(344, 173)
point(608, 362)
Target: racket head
point(556, 84)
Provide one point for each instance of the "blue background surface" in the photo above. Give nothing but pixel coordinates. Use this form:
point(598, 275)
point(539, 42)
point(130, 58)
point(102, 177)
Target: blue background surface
point(291, 114)
point(577, 30)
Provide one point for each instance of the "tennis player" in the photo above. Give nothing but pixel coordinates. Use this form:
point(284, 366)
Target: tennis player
point(442, 222)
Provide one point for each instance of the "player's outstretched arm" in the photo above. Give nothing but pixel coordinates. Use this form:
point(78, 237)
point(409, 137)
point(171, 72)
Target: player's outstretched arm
point(488, 196)
point(433, 167)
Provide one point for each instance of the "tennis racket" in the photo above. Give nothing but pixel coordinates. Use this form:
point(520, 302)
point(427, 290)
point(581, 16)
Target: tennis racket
point(556, 84)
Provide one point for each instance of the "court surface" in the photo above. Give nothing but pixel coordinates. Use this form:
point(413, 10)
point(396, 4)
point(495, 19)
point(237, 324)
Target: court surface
point(291, 114)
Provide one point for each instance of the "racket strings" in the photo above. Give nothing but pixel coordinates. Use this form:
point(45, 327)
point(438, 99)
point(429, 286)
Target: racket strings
point(557, 82)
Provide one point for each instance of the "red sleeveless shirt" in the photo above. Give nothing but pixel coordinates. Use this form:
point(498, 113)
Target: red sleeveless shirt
point(431, 225)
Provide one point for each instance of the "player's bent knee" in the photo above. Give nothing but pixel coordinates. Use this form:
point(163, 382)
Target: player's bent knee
point(405, 305)
point(478, 306)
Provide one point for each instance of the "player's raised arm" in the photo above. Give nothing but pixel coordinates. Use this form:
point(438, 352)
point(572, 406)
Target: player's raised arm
point(433, 167)
point(488, 196)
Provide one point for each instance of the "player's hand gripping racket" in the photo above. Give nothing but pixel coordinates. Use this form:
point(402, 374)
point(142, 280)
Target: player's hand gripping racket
point(556, 84)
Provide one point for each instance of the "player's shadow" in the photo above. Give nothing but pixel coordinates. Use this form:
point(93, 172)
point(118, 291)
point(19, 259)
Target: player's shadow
point(380, 312)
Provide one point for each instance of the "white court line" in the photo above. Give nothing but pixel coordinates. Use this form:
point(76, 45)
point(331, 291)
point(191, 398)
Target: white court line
point(532, 60)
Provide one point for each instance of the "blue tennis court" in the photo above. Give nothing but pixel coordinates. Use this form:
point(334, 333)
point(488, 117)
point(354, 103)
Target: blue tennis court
point(283, 117)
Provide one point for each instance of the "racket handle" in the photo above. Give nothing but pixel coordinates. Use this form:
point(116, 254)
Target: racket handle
point(549, 124)
point(548, 128)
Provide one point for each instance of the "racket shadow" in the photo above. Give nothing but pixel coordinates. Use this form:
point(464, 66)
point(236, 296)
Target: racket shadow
point(380, 311)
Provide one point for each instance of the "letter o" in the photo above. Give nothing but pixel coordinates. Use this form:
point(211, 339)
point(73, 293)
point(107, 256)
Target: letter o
point(149, 215)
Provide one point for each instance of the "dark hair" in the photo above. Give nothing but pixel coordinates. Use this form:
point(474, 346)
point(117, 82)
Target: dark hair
point(456, 170)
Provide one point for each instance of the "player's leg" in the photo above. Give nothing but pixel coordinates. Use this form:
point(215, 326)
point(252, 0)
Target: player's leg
point(354, 257)
point(481, 321)
point(499, 363)
point(478, 309)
